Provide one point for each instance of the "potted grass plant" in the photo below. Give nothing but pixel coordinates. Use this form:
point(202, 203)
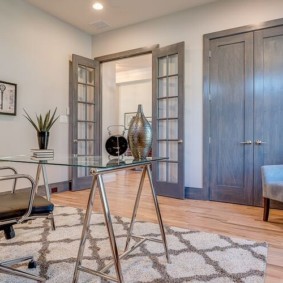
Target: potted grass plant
point(43, 124)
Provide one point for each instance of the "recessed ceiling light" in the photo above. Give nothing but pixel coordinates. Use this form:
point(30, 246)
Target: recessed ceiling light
point(97, 6)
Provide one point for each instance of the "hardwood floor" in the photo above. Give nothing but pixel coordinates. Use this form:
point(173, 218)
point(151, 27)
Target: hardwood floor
point(222, 218)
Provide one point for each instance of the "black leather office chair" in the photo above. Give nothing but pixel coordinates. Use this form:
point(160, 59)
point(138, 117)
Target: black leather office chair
point(17, 207)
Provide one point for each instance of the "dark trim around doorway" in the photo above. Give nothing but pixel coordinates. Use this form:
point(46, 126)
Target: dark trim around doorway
point(127, 54)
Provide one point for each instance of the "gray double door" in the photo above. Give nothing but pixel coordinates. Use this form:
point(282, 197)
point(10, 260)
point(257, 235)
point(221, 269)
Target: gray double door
point(246, 112)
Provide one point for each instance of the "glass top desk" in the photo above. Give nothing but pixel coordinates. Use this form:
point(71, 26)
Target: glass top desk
point(98, 167)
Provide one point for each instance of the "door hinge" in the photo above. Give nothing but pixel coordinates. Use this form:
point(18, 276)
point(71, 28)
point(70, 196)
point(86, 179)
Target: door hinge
point(209, 54)
point(209, 140)
point(209, 97)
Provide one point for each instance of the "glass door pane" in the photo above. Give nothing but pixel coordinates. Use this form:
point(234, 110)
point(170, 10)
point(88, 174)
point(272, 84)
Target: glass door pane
point(168, 133)
point(167, 109)
point(84, 114)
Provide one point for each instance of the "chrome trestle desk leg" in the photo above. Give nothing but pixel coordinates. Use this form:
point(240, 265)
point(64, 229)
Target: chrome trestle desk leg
point(108, 221)
point(38, 171)
point(41, 167)
point(147, 170)
point(85, 230)
point(160, 222)
point(129, 234)
point(44, 174)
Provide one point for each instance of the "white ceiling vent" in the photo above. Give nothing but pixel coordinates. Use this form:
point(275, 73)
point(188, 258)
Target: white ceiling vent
point(100, 25)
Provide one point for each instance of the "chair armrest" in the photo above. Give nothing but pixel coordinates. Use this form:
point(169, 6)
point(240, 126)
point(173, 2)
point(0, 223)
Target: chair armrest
point(8, 168)
point(272, 173)
point(15, 172)
point(32, 193)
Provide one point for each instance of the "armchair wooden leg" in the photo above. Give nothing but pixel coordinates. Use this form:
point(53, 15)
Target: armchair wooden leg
point(266, 204)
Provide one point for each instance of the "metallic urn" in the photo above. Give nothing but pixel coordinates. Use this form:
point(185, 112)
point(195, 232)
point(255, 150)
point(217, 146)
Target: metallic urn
point(140, 135)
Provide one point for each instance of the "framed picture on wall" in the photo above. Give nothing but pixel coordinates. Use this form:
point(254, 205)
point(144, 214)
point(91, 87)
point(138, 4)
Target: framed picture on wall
point(8, 98)
point(149, 119)
point(128, 118)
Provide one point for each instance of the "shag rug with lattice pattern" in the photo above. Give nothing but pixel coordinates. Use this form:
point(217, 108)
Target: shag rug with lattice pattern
point(195, 256)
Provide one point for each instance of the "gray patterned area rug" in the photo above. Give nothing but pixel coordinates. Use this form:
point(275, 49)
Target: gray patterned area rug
point(195, 256)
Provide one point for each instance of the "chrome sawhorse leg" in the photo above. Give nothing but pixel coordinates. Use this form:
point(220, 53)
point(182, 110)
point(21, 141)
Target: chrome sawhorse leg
point(85, 230)
point(42, 168)
point(110, 230)
point(147, 171)
point(129, 234)
point(97, 179)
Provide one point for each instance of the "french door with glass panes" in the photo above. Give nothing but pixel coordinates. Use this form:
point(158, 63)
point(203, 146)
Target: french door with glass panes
point(84, 116)
point(168, 119)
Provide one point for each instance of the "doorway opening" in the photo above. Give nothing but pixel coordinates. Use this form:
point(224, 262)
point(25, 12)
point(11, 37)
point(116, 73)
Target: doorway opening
point(125, 84)
point(123, 81)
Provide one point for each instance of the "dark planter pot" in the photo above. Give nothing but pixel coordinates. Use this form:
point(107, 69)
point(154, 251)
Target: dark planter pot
point(43, 138)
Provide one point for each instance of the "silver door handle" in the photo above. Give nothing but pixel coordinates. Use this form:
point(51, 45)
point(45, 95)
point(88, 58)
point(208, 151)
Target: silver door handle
point(246, 142)
point(259, 142)
point(75, 140)
point(180, 141)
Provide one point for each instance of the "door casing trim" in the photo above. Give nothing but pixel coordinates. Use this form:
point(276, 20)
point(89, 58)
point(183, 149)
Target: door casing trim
point(126, 54)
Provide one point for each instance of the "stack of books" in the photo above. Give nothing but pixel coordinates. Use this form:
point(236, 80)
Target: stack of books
point(42, 154)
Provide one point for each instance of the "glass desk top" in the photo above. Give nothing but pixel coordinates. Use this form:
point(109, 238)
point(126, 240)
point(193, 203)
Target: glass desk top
point(80, 161)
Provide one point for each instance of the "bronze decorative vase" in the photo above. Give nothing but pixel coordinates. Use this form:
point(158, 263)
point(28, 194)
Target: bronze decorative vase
point(43, 138)
point(140, 135)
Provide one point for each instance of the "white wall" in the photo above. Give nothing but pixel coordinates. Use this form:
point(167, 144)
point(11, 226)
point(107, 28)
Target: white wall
point(35, 50)
point(132, 94)
point(189, 26)
point(110, 100)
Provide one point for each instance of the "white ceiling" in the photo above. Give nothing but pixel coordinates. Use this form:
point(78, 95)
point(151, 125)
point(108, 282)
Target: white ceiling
point(116, 13)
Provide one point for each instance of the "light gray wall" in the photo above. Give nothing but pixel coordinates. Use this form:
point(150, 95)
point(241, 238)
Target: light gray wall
point(189, 26)
point(110, 99)
point(35, 50)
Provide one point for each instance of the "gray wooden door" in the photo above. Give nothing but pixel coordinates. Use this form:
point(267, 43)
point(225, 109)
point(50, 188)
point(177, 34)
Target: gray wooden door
point(84, 128)
point(268, 118)
point(231, 119)
point(168, 119)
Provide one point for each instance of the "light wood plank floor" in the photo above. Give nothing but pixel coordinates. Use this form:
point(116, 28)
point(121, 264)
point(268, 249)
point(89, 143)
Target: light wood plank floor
point(222, 218)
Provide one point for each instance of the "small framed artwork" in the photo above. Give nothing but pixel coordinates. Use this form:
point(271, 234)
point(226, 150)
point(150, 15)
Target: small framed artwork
point(128, 118)
point(149, 119)
point(8, 98)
